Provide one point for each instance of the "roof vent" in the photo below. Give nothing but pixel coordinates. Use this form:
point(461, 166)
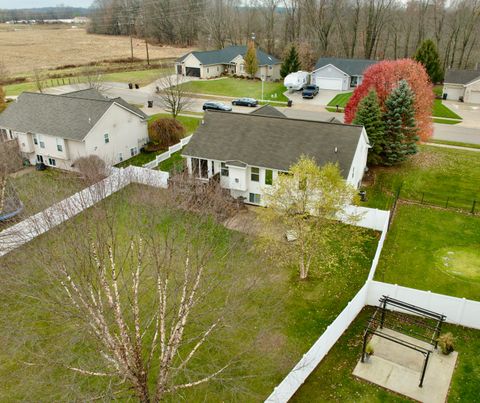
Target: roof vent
point(336, 150)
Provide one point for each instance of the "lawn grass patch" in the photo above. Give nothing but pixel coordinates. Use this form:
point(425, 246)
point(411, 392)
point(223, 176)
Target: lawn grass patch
point(454, 143)
point(433, 250)
point(333, 381)
point(283, 315)
point(442, 111)
point(438, 90)
point(174, 163)
point(190, 123)
point(446, 121)
point(437, 176)
point(238, 87)
point(341, 100)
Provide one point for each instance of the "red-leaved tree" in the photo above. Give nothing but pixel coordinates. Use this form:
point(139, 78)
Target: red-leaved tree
point(384, 76)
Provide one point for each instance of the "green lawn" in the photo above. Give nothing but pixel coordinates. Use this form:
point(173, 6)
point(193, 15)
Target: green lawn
point(434, 175)
point(341, 100)
point(439, 109)
point(446, 121)
point(434, 250)
point(274, 319)
point(31, 187)
point(332, 380)
point(237, 87)
point(174, 163)
point(142, 158)
point(455, 143)
point(141, 77)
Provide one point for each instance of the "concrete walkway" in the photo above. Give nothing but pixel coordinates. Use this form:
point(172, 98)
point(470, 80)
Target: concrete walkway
point(454, 147)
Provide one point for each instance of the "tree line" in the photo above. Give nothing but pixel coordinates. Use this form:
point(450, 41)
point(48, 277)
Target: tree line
point(44, 13)
point(370, 29)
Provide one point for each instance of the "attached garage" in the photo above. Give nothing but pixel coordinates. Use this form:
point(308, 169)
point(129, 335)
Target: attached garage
point(453, 92)
point(192, 71)
point(474, 97)
point(327, 83)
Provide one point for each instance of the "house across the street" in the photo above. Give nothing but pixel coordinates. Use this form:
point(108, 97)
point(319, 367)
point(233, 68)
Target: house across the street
point(58, 129)
point(248, 151)
point(229, 60)
point(331, 73)
point(462, 85)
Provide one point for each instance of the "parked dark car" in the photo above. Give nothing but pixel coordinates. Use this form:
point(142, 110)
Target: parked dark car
point(216, 106)
point(245, 102)
point(310, 91)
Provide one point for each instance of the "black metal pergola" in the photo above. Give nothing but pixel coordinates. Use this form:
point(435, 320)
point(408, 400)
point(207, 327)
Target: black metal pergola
point(425, 326)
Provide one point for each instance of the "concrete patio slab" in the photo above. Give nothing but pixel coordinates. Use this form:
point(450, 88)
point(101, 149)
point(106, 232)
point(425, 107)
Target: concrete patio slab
point(398, 368)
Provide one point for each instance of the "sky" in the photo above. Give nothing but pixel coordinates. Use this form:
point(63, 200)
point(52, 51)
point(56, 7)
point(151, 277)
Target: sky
point(43, 3)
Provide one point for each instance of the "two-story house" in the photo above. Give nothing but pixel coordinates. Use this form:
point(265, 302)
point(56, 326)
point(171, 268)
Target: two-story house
point(229, 60)
point(58, 129)
point(249, 151)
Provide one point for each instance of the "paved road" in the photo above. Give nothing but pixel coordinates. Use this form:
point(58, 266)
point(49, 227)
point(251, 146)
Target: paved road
point(456, 133)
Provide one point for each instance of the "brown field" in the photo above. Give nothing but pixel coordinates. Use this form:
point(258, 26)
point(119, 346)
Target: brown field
point(25, 48)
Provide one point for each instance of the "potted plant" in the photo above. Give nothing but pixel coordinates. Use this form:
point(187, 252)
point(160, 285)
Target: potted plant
point(446, 342)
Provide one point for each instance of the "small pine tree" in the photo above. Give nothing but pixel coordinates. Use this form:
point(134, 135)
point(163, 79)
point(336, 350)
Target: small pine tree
point(427, 55)
point(369, 115)
point(251, 62)
point(291, 63)
point(401, 132)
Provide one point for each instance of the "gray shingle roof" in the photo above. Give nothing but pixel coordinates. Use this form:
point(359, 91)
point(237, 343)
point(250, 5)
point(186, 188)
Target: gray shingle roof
point(226, 55)
point(268, 110)
point(69, 116)
point(272, 142)
point(461, 76)
point(353, 67)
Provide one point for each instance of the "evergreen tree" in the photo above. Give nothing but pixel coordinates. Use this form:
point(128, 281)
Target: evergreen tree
point(401, 132)
point(369, 115)
point(427, 55)
point(251, 62)
point(291, 63)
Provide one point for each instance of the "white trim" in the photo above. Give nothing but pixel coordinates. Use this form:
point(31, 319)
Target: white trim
point(335, 67)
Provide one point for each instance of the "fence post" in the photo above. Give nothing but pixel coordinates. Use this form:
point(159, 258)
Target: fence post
point(473, 207)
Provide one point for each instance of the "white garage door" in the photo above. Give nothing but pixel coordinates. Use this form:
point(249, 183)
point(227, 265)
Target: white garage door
point(327, 83)
point(474, 97)
point(453, 93)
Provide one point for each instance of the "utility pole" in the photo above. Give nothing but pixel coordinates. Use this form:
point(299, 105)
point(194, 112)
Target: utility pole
point(145, 32)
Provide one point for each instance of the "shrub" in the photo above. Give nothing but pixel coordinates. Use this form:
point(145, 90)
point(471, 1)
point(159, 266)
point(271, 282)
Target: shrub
point(164, 133)
point(91, 168)
point(446, 342)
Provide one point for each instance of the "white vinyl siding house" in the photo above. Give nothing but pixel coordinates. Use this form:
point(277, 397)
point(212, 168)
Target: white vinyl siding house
point(339, 74)
point(214, 63)
point(462, 85)
point(106, 128)
point(224, 142)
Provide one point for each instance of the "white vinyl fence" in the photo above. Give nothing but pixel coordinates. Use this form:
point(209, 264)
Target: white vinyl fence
point(167, 154)
point(287, 388)
point(369, 217)
point(459, 311)
point(23, 232)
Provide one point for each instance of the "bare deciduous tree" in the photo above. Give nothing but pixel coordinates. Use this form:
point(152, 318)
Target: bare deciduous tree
point(172, 94)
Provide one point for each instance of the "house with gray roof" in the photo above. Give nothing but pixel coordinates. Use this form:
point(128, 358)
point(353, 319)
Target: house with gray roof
point(332, 73)
point(248, 151)
point(462, 85)
point(58, 129)
point(229, 60)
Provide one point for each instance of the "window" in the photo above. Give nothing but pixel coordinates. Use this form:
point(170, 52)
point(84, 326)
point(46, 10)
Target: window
point(52, 162)
point(59, 144)
point(224, 169)
point(208, 70)
point(40, 159)
point(35, 140)
point(218, 68)
point(120, 157)
point(106, 138)
point(133, 151)
point(200, 168)
point(270, 67)
point(41, 142)
point(254, 198)
point(255, 174)
point(213, 168)
point(268, 177)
